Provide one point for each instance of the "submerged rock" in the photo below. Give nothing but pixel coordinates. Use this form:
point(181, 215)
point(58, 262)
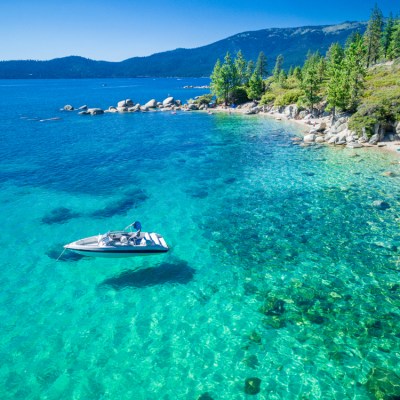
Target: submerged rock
point(388, 173)
point(273, 307)
point(381, 205)
point(383, 384)
point(252, 385)
point(251, 361)
point(205, 396)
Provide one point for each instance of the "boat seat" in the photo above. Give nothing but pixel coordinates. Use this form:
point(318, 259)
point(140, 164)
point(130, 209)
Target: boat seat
point(154, 238)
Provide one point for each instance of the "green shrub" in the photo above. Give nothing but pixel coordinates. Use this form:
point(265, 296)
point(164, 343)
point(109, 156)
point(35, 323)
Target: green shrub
point(267, 98)
point(238, 96)
point(204, 99)
point(289, 97)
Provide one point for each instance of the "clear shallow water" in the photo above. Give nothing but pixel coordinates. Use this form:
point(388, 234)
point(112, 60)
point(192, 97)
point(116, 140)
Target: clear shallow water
point(280, 268)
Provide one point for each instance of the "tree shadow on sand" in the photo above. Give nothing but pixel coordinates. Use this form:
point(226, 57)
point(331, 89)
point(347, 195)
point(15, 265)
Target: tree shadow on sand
point(178, 272)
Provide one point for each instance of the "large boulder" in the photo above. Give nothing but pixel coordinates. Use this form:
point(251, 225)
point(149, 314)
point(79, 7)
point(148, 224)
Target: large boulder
point(168, 102)
point(339, 126)
point(135, 108)
point(320, 127)
point(125, 103)
point(310, 138)
point(68, 107)
point(291, 111)
point(374, 139)
point(192, 107)
point(151, 104)
point(95, 111)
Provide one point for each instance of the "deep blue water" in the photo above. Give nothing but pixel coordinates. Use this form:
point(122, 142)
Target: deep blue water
point(280, 268)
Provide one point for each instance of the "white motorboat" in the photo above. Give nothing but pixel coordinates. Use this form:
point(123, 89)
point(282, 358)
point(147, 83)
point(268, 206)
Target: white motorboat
point(126, 243)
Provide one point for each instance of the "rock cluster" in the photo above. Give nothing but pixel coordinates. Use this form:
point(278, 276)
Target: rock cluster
point(128, 105)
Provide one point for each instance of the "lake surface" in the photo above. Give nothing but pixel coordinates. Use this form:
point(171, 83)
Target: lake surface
point(280, 268)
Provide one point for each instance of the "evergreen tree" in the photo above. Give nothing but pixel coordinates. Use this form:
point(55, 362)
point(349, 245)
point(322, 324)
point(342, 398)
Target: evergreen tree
point(336, 85)
point(249, 70)
point(321, 69)
point(311, 80)
point(394, 44)
point(297, 73)
point(372, 36)
point(282, 78)
point(387, 35)
point(355, 69)
point(224, 78)
point(256, 86)
point(261, 65)
point(216, 80)
point(278, 66)
point(290, 72)
point(241, 68)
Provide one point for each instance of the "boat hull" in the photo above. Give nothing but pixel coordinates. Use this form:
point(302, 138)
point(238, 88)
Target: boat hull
point(144, 245)
point(116, 253)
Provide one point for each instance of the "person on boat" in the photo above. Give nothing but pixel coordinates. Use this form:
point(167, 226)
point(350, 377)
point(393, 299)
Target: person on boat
point(138, 226)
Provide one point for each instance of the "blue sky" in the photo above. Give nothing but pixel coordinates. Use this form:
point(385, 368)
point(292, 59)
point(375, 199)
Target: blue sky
point(117, 30)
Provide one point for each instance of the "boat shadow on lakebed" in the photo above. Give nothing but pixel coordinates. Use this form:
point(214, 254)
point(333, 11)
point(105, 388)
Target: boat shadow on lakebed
point(173, 273)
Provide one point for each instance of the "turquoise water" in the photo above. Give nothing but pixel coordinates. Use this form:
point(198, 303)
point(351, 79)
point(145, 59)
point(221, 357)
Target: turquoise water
point(280, 268)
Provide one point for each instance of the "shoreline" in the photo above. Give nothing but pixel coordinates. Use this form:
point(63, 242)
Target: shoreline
point(307, 126)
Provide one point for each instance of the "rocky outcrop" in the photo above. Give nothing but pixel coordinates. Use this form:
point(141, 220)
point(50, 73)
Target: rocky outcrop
point(68, 107)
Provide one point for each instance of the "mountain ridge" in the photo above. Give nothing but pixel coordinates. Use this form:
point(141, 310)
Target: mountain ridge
point(293, 43)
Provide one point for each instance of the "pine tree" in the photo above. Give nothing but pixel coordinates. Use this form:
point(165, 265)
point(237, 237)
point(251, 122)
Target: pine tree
point(336, 86)
point(261, 65)
point(394, 44)
point(241, 68)
point(278, 66)
point(355, 69)
point(224, 78)
point(321, 69)
point(311, 81)
point(297, 73)
point(249, 70)
point(387, 35)
point(256, 86)
point(216, 80)
point(282, 78)
point(372, 36)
